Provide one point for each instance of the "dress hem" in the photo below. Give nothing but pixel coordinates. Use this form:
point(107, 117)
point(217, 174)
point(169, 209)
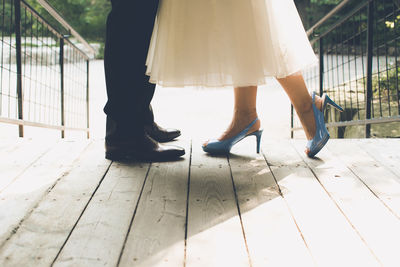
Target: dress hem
point(222, 85)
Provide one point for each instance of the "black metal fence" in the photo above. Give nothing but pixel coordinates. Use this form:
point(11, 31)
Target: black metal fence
point(44, 76)
point(359, 68)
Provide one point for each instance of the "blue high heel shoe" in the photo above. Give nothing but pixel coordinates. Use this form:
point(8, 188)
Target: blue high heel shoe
point(224, 146)
point(321, 134)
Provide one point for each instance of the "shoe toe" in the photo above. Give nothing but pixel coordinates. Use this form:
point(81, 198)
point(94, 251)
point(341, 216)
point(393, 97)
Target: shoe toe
point(208, 142)
point(216, 147)
point(171, 151)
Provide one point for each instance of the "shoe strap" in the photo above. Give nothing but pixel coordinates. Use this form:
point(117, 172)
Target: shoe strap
point(313, 101)
point(250, 125)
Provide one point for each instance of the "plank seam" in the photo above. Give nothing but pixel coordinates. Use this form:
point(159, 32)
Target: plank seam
point(289, 209)
point(239, 212)
point(336, 204)
point(369, 188)
point(36, 205)
point(26, 168)
point(80, 216)
point(377, 159)
point(14, 145)
point(133, 216)
point(187, 204)
point(29, 213)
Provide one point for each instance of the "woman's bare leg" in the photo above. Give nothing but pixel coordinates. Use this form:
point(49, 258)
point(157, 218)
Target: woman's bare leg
point(296, 89)
point(244, 112)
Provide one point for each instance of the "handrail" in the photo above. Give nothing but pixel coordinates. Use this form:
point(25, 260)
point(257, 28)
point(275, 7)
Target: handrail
point(361, 5)
point(327, 16)
point(66, 25)
point(351, 66)
point(51, 28)
point(57, 100)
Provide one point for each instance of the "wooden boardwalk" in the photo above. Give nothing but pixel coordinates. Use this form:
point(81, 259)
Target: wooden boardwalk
point(63, 204)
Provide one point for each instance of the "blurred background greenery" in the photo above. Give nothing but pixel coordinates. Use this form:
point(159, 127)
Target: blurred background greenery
point(88, 17)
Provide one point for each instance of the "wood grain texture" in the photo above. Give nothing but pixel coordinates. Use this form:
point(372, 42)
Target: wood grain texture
point(9, 144)
point(15, 159)
point(214, 229)
point(98, 238)
point(157, 236)
point(381, 181)
point(41, 235)
point(330, 238)
point(362, 208)
point(384, 151)
point(20, 198)
point(338, 210)
point(270, 229)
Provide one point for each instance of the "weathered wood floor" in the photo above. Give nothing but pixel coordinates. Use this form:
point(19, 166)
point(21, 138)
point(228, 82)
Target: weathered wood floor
point(63, 204)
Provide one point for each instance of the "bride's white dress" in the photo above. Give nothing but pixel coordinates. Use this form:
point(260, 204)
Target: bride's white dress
point(226, 42)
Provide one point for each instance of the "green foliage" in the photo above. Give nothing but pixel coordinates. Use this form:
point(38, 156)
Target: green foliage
point(6, 26)
point(386, 25)
point(325, 2)
point(387, 82)
point(313, 10)
point(88, 17)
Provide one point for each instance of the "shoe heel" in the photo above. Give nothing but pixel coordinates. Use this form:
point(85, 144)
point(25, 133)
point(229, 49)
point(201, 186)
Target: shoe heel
point(258, 135)
point(321, 132)
point(333, 104)
point(115, 155)
point(224, 147)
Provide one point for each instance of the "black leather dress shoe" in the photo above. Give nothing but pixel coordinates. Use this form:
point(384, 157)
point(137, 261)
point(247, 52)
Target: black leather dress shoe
point(161, 134)
point(144, 148)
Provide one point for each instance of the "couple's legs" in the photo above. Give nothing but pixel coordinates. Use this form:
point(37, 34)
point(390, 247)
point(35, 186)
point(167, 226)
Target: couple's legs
point(245, 106)
point(129, 29)
point(296, 89)
point(128, 135)
point(244, 112)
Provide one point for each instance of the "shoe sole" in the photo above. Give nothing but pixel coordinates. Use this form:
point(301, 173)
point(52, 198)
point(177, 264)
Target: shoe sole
point(121, 156)
point(216, 152)
point(320, 146)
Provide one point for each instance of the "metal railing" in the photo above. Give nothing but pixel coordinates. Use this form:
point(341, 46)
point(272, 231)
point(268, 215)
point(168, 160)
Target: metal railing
point(44, 76)
point(359, 68)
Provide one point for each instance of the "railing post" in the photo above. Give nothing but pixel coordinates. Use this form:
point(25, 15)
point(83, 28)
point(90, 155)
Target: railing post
point(370, 43)
point(62, 85)
point(321, 67)
point(87, 98)
point(291, 121)
point(17, 9)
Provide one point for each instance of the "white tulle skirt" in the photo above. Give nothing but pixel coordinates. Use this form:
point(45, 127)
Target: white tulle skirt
point(226, 43)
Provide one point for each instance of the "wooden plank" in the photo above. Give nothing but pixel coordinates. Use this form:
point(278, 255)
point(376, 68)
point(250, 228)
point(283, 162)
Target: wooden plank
point(214, 232)
point(10, 146)
point(381, 181)
point(18, 200)
point(157, 236)
point(384, 151)
point(330, 238)
point(17, 157)
point(99, 236)
point(11, 143)
point(41, 235)
point(376, 224)
point(270, 229)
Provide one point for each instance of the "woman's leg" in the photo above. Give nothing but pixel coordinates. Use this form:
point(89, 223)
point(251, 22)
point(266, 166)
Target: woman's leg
point(296, 89)
point(244, 112)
